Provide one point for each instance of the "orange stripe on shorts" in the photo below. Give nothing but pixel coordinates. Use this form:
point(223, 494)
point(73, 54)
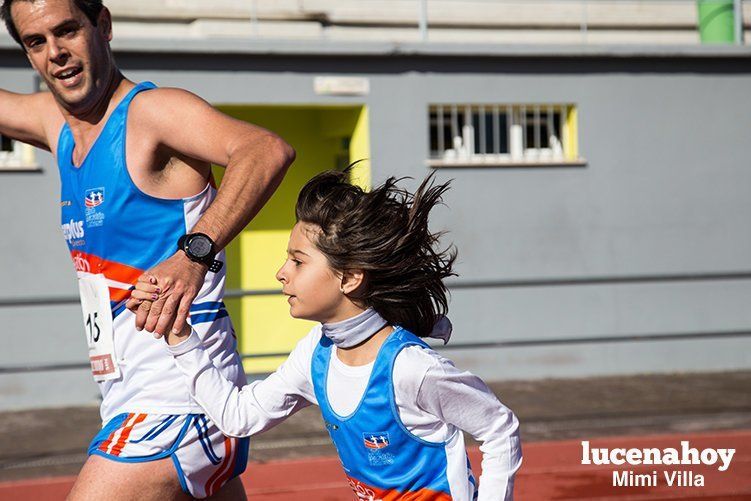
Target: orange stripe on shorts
point(117, 449)
point(105, 445)
point(211, 485)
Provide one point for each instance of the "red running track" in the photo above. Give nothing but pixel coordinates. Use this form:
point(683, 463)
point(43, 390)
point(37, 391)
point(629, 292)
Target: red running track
point(551, 470)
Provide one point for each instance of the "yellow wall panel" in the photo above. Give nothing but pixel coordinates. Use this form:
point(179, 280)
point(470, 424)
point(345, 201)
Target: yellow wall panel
point(359, 149)
point(263, 253)
point(270, 329)
point(572, 135)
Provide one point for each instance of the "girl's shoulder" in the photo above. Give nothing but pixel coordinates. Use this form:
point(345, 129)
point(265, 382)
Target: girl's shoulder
point(423, 357)
point(313, 335)
point(414, 362)
point(307, 345)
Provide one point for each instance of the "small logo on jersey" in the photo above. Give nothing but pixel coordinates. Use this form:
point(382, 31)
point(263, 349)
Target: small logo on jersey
point(331, 426)
point(377, 440)
point(65, 203)
point(362, 491)
point(94, 197)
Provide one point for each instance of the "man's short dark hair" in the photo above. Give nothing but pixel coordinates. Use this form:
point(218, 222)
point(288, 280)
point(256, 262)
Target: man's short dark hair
point(91, 8)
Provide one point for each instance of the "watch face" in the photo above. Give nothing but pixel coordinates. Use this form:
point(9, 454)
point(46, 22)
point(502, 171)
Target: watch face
point(199, 246)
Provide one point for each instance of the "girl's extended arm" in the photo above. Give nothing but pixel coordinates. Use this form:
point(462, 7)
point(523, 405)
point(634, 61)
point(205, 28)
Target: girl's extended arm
point(465, 401)
point(261, 405)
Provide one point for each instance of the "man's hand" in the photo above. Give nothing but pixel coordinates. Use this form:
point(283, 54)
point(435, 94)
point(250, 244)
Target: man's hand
point(163, 297)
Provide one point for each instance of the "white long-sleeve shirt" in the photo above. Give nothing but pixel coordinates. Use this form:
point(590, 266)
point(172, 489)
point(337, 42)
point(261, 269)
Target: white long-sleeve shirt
point(433, 399)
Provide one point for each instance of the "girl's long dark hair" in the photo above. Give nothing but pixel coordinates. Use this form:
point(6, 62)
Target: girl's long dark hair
point(383, 232)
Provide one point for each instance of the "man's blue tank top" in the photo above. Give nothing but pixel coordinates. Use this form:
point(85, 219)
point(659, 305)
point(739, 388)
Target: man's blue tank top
point(381, 458)
point(110, 226)
point(114, 229)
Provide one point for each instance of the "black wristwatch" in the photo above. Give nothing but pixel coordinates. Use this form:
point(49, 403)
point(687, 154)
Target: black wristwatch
point(200, 248)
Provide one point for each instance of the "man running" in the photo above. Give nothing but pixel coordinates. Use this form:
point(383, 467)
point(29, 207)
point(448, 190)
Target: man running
point(137, 202)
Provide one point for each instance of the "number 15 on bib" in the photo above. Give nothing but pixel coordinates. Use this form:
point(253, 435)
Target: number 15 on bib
point(97, 321)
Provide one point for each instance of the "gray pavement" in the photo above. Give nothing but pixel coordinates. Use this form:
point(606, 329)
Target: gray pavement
point(51, 442)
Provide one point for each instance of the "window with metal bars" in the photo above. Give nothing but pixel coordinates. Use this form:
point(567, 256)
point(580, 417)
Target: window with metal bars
point(499, 134)
point(15, 155)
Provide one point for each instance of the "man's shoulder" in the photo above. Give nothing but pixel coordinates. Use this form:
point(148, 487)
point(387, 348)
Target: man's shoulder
point(160, 98)
point(161, 108)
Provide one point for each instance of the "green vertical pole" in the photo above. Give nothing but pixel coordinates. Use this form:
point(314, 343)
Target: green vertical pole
point(716, 21)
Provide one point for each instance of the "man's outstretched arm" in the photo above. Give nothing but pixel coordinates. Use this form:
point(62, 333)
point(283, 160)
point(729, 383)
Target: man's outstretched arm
point(256, 161)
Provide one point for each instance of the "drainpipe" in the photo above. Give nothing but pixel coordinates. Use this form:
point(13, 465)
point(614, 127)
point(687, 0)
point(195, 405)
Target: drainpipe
point(422, 22)
point(717, 22)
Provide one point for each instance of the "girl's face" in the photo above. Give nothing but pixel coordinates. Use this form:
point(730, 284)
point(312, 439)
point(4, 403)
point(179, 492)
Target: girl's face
point(314, 290)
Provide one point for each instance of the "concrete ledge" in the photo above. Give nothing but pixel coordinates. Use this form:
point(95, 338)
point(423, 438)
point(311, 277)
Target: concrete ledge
point(324, 48)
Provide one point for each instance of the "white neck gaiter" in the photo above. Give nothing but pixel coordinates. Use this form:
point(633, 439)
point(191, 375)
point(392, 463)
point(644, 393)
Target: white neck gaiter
point(353, 331)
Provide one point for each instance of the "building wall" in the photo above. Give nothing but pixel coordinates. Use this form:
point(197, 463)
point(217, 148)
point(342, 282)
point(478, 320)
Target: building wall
point(662, 201)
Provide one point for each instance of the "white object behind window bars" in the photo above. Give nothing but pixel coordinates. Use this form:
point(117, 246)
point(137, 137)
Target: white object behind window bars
point(15, 154)
point(498, 134)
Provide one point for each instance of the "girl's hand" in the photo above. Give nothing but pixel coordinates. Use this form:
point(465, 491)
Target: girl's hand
point(146, 292)
point(173, 339)
point(143, 296)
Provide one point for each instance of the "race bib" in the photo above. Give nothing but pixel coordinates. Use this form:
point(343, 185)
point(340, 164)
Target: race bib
point(97, 321)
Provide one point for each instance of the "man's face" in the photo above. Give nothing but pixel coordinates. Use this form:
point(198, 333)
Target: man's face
point(69, 52)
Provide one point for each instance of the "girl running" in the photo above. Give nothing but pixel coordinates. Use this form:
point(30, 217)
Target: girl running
point(365, 266)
